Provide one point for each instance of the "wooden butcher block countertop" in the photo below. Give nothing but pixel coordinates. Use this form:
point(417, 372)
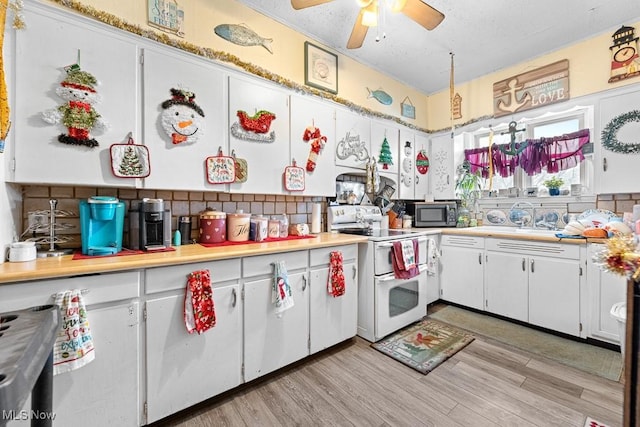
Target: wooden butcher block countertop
point(513, 233)
point(44, 268)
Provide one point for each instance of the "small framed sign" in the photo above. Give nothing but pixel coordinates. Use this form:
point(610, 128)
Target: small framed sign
point(407, 108)
point(320, 68)
point(166, 15)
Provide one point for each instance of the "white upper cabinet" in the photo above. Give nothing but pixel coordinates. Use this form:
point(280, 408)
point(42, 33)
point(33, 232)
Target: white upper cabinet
point(259, 133)
point(176, 163)
point(313, 127)
point(381, 132)
point(353, 139)
point(53, 41)
point(617, 172)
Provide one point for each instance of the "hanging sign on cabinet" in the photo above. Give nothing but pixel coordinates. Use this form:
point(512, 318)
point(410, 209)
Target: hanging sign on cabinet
point(220, 169)
point(130, 160)
point(293, 177)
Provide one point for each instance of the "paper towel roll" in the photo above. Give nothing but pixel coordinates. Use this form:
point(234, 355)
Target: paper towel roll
point(315, 218)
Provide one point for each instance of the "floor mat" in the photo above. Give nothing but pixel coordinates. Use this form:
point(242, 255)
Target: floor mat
point(589, 358)
point(424, 345)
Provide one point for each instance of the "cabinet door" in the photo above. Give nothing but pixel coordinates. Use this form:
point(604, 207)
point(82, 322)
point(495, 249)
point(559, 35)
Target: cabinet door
point(506, 285)
point(605, 289)
point(353, 139)
point(332, 319)
point(462, 286)
point(554, 294)
point(443, 177)
point(181, 166)
point(305, 112)
point(381, 131)
point(184, 369)
point(271, 342)
point(41, 55)
point(617, 172)
point(267, 157)
point(407, 165)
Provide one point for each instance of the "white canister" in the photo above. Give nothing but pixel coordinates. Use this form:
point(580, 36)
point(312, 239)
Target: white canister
point(22, 251)
point(274, 228)
point(238, 226)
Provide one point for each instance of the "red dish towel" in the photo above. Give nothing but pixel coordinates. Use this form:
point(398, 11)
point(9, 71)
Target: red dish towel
point(335, 284)
point(199, 311)
point(398, 261)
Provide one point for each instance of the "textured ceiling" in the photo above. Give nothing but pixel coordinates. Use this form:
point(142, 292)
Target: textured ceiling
point(484, 35)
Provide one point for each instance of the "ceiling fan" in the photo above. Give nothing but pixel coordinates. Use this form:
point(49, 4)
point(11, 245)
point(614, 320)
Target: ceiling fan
point(420, 12)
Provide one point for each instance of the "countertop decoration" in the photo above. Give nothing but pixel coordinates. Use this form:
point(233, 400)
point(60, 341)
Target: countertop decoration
point(620, 256)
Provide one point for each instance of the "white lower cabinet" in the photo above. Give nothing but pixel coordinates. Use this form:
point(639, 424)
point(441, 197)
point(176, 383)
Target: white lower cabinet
point(461, 278)
point(105, 391)
point(332, 319)
point(604, 290)
point(272, 341)
point(184, 369)
point(535, 282)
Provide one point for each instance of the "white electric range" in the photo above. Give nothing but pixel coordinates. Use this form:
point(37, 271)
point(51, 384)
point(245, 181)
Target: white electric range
point(385, 303)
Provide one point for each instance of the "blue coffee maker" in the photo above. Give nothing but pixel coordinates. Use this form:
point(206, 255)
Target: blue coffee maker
point(101, 225)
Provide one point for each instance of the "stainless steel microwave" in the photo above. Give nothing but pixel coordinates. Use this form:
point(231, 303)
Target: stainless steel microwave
point(433, 214)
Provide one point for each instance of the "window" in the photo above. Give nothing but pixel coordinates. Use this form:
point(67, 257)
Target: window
point(549, 126)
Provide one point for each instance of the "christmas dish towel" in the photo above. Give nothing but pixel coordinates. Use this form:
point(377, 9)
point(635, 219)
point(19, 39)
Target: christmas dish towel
point(336, 284)
point(432, 257)
point(281, 296)
point(398, 260)
point(199, 309)
point(74, 345)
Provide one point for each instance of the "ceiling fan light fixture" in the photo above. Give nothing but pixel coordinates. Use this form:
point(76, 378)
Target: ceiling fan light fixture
point(363, 3)
point(396, 5)
point(370, 15)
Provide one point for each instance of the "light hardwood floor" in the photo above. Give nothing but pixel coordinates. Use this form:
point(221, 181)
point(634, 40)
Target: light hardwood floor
point(485, 384)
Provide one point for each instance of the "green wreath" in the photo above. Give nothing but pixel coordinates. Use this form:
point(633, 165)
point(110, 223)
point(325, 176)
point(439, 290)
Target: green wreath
point(609, 133)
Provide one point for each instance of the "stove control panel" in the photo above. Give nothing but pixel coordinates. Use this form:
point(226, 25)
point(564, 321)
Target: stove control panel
point(353, 216)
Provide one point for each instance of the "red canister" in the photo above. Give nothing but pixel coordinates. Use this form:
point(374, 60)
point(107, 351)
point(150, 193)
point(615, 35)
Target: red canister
point(213, 227)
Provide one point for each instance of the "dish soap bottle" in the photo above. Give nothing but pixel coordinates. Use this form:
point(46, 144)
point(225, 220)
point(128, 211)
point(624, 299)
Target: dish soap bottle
point(177, 238)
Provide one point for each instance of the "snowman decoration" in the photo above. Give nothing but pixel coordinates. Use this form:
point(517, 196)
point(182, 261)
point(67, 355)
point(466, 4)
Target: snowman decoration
point(407, 164)
point(182, 118)
point(77, 113)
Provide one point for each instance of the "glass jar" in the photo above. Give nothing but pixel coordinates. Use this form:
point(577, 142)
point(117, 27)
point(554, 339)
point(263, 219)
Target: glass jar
point(284, 226)
point(274, 228)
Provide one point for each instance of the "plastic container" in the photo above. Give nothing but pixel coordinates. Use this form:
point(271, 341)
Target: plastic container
point(102, 208)
point(619, 312)
point(284, 226)
point(238, 225)
point(274, 228)
point(213, 227)
point(259, 228)
point(406, 221)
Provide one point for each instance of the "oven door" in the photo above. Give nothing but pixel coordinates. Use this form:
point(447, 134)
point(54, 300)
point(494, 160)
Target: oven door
point(399, 302)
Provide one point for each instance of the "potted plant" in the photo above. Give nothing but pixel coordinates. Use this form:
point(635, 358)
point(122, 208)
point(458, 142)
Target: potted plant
point(468, 186)
point(553, 184)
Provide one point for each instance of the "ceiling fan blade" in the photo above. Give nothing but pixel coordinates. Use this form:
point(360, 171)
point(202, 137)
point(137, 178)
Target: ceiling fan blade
point(423, 14)
point(303, 4)
point(358, 33)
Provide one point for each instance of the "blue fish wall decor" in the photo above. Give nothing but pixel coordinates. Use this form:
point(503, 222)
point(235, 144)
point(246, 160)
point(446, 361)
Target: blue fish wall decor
point(381, 96)
point(242, 36)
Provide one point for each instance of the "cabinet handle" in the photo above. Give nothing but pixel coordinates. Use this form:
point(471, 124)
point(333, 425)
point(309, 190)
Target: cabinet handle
point(604, 164)
point(524, 267)
point(304, 283)
point(355, 271)
point(447, 179)
point(235, 298)
point(480, 258)
point(532, 266)
point(417, 179)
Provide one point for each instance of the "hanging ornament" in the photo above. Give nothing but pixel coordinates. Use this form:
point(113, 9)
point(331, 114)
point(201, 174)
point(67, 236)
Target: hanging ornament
point(130, 160)
point(182, 118)
point(254, 128)
point(77, 113)
point(422, 162)
point(385, 154)
point(312, 134)
point(513, 148)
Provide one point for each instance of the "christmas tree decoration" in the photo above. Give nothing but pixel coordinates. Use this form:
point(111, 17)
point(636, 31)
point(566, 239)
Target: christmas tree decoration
point(130, 160)
point(385, 154)
point(77, 113)
point(318, 141)
point(254, 128)
point(422, 162)
point(182, 118)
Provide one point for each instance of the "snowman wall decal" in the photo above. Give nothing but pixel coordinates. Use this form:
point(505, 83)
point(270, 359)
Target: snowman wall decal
point(182, 119)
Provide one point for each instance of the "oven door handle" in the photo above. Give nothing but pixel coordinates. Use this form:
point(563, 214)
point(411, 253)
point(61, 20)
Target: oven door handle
point(392, 276)
point(390, 245)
